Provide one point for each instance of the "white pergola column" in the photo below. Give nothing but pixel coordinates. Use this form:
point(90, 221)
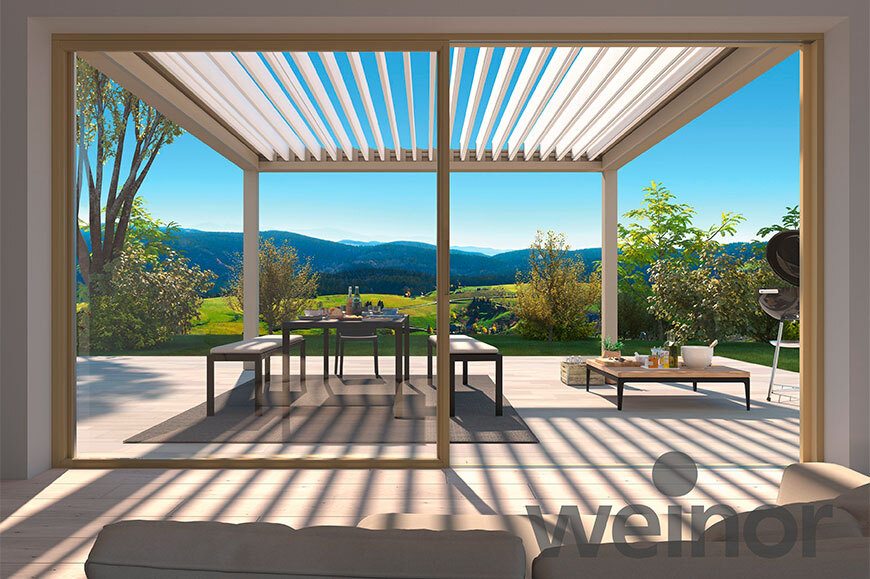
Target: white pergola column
point(609, 264)
point(251, 255)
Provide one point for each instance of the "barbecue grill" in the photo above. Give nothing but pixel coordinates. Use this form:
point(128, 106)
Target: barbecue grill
point(782, 303)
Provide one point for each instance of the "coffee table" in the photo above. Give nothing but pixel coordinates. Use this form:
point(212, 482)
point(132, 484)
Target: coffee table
point(623, 374)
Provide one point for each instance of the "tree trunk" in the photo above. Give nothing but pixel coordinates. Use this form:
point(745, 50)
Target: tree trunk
point(550, 334)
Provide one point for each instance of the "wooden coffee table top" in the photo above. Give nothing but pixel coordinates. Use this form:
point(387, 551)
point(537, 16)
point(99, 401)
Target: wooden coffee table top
point(683, 372)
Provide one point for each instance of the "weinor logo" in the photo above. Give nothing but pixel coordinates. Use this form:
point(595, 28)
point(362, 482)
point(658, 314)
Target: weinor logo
point(768, 531)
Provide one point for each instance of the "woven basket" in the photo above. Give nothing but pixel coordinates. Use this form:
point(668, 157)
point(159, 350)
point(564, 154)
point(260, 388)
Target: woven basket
point(575, 375)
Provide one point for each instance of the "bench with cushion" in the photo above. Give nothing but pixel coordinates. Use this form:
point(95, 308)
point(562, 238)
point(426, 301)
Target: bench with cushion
point(258, 350)
point(466, 349)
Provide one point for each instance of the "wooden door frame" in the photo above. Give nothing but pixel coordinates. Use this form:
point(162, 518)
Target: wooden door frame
point(63, 358)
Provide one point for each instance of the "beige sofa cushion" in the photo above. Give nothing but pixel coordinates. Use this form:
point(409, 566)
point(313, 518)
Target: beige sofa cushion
point(816, 481)
point(518, 525)
point(207, 549)
point(847, 558)
point(163, 548)
point(258, 345)
point(771, 530)
point(856, 502)
point(466, 345)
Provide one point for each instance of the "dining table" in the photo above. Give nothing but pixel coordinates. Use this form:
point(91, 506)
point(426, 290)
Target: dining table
point(400, 324)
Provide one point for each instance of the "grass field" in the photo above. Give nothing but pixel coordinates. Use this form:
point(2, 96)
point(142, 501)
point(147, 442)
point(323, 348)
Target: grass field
point(217, 318)
point(220, 325)
point(509, 345)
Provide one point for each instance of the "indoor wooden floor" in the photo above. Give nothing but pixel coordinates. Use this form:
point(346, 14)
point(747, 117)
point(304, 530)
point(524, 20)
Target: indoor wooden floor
point(589, 455)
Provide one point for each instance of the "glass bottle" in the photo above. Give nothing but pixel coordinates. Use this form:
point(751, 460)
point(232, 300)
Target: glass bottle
point(673, 351)
point(347, 305)
point(356, 305)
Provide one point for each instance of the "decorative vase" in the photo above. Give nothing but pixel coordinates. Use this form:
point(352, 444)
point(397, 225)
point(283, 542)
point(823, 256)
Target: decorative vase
point(612, 354)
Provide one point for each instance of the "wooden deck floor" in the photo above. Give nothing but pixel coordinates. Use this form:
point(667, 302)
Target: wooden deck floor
point(590, 454)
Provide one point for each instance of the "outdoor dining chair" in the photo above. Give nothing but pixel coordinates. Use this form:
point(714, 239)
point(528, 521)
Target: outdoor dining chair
point(354, 335)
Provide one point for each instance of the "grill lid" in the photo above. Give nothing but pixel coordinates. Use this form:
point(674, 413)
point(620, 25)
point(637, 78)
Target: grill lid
point(781, 303)
point(784, 257)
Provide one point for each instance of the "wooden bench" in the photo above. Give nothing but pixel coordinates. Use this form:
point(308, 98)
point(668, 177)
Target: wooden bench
point(466, 349)
point(258, 350)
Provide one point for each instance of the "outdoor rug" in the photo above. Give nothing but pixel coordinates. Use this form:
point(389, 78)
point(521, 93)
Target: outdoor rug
point(352, 410)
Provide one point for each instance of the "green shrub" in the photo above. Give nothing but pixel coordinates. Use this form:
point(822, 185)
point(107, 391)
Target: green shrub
point(715, 299)
point(141, 301)
point(635, 318)
point(577, 330)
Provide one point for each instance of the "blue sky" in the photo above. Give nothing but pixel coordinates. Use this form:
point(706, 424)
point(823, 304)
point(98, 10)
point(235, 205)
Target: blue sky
point(741, 156)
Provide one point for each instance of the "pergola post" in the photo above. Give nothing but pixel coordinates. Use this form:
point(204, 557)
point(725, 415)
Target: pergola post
point(609, 263)
point(251, 256)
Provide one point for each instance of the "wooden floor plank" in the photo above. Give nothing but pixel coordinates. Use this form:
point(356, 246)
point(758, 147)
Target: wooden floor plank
point(589, 455)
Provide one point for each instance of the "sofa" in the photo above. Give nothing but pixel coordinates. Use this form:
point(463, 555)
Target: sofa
point(819, 527)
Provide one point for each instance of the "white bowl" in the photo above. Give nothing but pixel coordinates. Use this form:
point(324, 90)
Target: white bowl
point(697, 356)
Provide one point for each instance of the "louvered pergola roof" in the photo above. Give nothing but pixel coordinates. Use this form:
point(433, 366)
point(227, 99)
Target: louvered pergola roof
point(512, 108)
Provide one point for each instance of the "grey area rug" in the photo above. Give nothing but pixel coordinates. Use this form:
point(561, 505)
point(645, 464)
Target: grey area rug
point(352, 410)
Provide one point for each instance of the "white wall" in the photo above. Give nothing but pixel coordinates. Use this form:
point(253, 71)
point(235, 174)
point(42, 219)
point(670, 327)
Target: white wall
point(24, 154)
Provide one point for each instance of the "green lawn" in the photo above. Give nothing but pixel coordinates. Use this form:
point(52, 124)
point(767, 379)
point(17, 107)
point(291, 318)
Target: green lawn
point(220, 325)
point(509, 345)
point(217, 318)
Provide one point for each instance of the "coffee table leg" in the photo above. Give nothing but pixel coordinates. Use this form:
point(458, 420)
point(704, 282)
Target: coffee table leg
point(587, 378)
point(619, 385)
point(695, 386)
point(746, 385)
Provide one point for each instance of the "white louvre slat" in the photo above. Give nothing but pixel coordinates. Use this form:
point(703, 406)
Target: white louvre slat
point(309, 75)
point(293, 86)
point(526, 80)
point(257, 69)
point(388, 99)
point(480, 70)
point(509, 60)
point(550, 78)
point(363, 87)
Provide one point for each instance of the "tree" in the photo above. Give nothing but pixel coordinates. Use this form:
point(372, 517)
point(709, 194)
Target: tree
point(552, 297)
point(791, 220)
point(286, 285)
point(106, 114)
point(669, 233)
point(661, 229)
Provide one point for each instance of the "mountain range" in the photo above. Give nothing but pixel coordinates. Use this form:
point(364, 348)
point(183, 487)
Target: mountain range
point(370, 261)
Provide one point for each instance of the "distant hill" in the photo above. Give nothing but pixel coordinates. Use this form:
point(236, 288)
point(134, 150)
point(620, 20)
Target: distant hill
point(458, 248)
point(359, 243)
point(373, 262)
point(376, 267)
point(475, 249)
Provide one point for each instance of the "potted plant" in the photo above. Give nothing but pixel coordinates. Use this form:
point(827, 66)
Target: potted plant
point(611, 348)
